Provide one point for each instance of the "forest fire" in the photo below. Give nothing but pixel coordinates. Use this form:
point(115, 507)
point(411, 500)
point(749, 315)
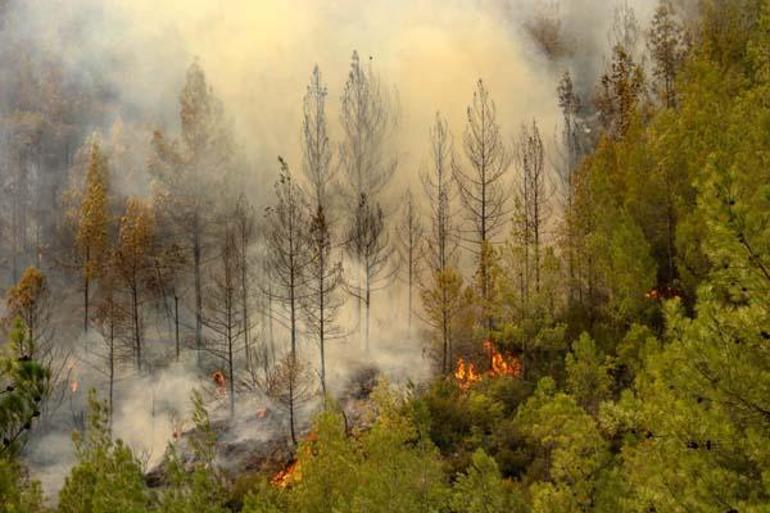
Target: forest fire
point(467, 375)
point(285, 477)
point(499, 365)
point(292, 473)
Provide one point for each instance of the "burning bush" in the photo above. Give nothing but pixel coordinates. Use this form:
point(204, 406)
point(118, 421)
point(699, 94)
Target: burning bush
point(500, 365)
point(467, 375)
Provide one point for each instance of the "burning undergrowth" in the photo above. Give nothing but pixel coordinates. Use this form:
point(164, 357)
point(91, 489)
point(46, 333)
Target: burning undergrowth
point(292, 472)
point(257, 441)
point(152, 409)
point(466, 372)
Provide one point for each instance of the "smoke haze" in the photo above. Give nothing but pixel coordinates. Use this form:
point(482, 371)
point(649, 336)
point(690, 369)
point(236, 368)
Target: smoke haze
point(258, 56)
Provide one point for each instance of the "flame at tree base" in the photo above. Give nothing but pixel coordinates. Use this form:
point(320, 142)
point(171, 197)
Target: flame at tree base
point(287, 476)
point(292, 473)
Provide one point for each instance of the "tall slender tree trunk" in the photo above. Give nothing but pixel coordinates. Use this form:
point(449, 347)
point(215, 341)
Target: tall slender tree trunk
point(442, 263)
point(245, 309)
point(230, 371)
point(368, 307)
point(571, 264)
point(536, 230)
point(112, 364)
point(447, 360)
point(293, 363)
point(86, 282)
point(137, 335)
point(487, 321)
point(410, 283)
point(198, 294)
point(270, 330)
point(176, 324)
point(527, 241)
point(321, 324)
point(293, 324)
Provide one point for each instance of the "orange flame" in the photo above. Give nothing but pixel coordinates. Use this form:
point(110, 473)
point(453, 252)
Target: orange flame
point(499, 365)
point(285, 477)
point(292, 473)
point(74, 385)
point(466, 374)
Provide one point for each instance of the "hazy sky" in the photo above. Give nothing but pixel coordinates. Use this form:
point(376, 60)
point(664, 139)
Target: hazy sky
point(258, 55)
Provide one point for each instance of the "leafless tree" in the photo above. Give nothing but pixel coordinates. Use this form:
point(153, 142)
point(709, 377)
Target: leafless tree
point(267, 307)
point(222, 313)
point(368, 240)
point(245, 227)
point(112, 324)
point(323, 301)
point(410, 244)
point(532, 203)
point(20, 146)
point(288, 259)
point(441, 192)
point(190, 173)
point(367, 121)
point(442, 243)
point(289, 384)
point(167, 280)
point(482, 186)
point(262, 348)
point(316, 147)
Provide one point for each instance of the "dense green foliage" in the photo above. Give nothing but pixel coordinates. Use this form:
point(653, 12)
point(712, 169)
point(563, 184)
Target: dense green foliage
point(24, 383)
point(107, 476)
